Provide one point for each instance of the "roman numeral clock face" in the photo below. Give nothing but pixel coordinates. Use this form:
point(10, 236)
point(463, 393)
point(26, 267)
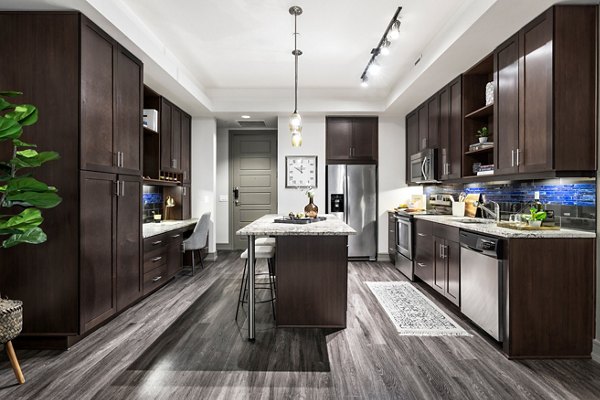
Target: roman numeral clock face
point(301, 171)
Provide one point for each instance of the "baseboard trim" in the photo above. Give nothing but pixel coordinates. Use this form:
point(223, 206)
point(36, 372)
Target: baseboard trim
point(383, 257)
point(211, 256)
point(224, 246)
point(596, 350)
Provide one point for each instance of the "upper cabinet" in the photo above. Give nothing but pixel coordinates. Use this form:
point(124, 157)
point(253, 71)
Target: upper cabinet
point(352, 140)
point(186, 148)
point(450, 130)
point(412, 140)
point(110, 123)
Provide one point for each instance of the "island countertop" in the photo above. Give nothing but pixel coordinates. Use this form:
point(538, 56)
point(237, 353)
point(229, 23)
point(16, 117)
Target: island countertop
point(152, 229)
point(264, 226)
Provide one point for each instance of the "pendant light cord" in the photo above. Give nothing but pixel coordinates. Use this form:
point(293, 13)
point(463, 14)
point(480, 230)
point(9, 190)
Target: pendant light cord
point(296, 62)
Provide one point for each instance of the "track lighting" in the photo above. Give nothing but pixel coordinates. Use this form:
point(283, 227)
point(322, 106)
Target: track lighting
point(365, 82)
point(383, 47)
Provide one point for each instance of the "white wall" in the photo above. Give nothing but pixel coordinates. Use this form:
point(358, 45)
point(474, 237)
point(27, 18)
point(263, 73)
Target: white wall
point(222, 212)
point(313, 144)
point(392, 170)
point(204, 171)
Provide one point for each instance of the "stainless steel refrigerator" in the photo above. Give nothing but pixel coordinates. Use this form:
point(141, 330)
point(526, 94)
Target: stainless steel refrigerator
point(352, 196)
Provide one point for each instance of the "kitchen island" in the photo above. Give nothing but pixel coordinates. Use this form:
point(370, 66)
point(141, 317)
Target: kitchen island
point(311, 268)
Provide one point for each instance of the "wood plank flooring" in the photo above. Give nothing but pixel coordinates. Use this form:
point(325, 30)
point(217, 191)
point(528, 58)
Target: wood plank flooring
point(183, 343)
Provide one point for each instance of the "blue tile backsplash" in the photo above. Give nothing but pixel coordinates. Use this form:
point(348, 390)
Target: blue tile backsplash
point(572, 199)
point(153, 202)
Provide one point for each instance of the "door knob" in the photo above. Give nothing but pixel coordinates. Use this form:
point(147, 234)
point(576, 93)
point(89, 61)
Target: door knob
point(236, 195)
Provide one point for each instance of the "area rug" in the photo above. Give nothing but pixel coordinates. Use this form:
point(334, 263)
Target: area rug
point(412, 313)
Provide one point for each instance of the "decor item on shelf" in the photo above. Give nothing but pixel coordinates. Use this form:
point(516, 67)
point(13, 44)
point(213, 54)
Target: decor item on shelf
point(311, 210)
point(535, 217)
point(383, 47)
point(480, 146)
point(295, 124)
point(157, 217)
point(169, 203)
point(489, 93)
point(151, 119)
point(21, 197)
point(483, 134)
point(300, 172)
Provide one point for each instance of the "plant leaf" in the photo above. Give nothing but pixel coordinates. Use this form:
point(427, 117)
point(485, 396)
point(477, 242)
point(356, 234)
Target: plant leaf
point(26, 184)
point(9, 128)
point(47, 199)
point(19, 143)
point(24, 114)
point(4, 105)
point(28, 162)
point(32, 236)
point(10, 93)
point(29, 153)
point(27, 219)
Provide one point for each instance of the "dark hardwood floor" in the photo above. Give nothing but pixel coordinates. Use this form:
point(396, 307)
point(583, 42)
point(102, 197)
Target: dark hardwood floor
point(183, 343)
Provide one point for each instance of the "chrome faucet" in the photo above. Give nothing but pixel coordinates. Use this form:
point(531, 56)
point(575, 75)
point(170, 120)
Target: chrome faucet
point(483, 205)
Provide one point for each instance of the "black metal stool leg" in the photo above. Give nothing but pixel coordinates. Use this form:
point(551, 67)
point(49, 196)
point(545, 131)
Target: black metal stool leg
point(242, 287)
point(272, 286)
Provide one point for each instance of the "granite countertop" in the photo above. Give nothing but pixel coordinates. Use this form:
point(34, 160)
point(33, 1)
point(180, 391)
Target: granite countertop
point(152, 228)
point(493, 230)
point(264, 226)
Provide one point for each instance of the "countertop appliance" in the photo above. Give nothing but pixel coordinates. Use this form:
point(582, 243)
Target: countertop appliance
point(352, 197)
point(423, 167)
point(481, 282)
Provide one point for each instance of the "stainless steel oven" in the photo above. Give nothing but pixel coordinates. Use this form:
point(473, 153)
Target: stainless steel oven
point(404, 245)
point(423, 167)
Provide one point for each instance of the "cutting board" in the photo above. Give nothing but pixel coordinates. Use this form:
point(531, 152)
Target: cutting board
point(470, 209)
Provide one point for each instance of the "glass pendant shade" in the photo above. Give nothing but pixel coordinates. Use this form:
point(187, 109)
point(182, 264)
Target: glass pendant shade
point(296, 139)
point(295, 123)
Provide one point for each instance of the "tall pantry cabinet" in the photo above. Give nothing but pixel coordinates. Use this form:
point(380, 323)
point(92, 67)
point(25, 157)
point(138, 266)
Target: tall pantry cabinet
point(88, 89)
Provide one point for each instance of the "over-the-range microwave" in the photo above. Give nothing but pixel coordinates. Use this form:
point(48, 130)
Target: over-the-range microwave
point(423, 167)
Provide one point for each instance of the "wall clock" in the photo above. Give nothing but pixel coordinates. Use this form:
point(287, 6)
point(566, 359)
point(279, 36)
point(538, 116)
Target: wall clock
point(300, 171)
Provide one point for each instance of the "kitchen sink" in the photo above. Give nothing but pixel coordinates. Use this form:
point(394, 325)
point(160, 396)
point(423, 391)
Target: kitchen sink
point(474, 221)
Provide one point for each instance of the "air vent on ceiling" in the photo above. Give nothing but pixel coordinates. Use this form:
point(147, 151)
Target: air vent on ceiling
point(252, 124)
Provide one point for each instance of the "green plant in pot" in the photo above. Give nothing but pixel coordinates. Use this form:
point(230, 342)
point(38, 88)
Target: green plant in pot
point(21, 198)
point(483, 134)
point(535, 217)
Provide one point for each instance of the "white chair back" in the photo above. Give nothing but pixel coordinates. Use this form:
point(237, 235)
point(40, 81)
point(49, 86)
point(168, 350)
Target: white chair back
point(198, 239)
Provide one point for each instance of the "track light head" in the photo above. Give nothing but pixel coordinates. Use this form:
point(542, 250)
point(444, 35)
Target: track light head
point(395, 30)
point(385, 47)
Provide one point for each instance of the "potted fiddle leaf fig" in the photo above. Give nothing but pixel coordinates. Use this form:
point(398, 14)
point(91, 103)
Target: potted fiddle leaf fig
point(21, 198)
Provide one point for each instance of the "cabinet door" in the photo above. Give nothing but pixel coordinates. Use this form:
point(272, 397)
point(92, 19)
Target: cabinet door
point(97, 248)
point(97, 98)
point(444, 133)
point(186, 202)
point(176, 139)
point(128, 111)
point(412, 140)
point(339, 139)
point(364, 139)
point(506, 104)
point(439, 265)
point(424, 257)
point(186, 147)
point(166, 162)
point(433, 120)
point(453, 170)
point(129, 241)
point(452, 256)
point(423, 127)
point(536, 97)
point(174, 256)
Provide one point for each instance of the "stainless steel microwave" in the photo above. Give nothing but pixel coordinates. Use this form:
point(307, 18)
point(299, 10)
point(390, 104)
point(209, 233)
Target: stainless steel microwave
point(423, 167)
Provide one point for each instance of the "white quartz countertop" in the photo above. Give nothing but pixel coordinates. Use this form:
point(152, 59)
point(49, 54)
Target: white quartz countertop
point(264, 226)
point(493, 230)
point(152, 228)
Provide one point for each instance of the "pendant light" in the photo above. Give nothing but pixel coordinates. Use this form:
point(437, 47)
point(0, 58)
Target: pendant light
point(295, 119)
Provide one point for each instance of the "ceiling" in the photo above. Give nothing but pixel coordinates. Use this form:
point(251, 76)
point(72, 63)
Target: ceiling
point(225, 58)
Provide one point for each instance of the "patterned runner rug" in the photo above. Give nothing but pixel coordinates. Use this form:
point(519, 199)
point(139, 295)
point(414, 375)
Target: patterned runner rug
point(412, 313)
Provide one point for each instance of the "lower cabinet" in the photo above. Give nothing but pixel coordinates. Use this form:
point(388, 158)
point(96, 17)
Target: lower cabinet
point(423, 260)
point(162, 259)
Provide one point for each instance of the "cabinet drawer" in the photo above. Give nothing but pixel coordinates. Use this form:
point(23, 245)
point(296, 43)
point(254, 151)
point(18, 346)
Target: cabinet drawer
point(155, 241)
point(155, 261)
point(155, 278)
point(445, 232)
point(423, 227)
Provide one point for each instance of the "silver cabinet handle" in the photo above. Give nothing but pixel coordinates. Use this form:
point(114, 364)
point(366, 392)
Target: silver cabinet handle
point(158, 278)
point(421, 234)
point(512, 158)
point(184, 191)
point(518, 157)
point(184, 175)
point(156, 259)
point(175, 236)
point(421, 265)
point(122, 188)
point(156, 243)
point(118, 192)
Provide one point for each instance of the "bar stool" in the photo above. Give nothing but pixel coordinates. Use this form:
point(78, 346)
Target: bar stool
point(260, 253)
point(268, 241)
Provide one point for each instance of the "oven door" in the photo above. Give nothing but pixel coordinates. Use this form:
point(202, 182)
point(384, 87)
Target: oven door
point(404, 237)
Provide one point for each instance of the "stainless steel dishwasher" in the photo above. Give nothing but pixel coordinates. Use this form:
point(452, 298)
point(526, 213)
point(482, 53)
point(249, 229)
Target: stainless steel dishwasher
point(481, 283)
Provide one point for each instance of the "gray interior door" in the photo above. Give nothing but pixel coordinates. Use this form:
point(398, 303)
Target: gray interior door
point(253, 160)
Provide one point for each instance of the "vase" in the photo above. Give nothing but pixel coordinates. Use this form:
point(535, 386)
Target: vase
point(483, 139)
point(535, 224)
point(311, 210)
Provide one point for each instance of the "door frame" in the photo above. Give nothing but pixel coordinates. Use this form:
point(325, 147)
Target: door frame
point(248, 132)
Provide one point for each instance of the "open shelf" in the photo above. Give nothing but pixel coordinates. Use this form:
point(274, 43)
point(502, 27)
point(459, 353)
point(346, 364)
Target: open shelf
point(160, 182)
point(482, 112)
point(480, 151)
point(149, 131)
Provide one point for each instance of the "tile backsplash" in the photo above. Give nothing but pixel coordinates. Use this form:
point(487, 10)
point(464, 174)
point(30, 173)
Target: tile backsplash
point(153, 202)
point(572, 199)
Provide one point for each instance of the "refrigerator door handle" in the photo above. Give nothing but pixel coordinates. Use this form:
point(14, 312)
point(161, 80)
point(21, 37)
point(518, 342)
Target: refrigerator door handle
point(347, 198)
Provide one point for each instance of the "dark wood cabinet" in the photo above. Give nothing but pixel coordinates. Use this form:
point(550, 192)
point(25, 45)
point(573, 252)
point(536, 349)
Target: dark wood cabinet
point(174, 254)
point(186, 202)
point(87, 88)
point(450, 130)
point(423, 116)
point(352, 139)
point(392, 236)
point(176, 139)
point(433, 121)
point(186, 148)
point(166, 132)
point(129, 244)
point(439, 265)
point(424, 251)
point(506, 105)
point(412, 140)
point(111, 104)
